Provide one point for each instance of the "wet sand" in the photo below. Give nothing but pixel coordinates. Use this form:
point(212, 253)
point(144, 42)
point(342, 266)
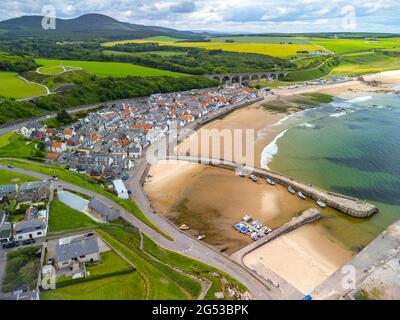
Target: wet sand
point(304, 257)
point(211, 200)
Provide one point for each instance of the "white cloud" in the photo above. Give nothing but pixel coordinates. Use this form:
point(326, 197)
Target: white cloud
point(222, 15)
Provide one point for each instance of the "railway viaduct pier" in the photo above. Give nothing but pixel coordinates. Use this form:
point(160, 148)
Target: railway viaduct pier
point(247, 77)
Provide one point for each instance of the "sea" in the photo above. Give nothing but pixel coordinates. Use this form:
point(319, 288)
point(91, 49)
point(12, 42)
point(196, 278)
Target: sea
point(350, 146)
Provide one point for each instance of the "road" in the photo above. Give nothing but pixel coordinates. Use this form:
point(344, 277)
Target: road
point(183, 243)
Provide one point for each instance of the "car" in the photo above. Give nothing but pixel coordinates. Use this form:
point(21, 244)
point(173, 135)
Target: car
point(28, 242)
point(10, 166)
point(125, 178)
point(10, 245)
point(129, 192)
point(55, 178)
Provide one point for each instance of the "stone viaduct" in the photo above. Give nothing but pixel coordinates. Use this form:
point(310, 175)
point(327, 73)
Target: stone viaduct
point(247, 77)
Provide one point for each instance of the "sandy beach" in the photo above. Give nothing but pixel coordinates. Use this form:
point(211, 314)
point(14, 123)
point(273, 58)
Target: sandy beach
point(211, 200)
point(303, 257)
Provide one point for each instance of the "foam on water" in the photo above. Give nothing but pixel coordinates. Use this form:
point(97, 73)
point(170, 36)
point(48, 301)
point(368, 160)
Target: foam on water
point(270, 150)
point(338, 114)
point(360, 99)
point(307, 125)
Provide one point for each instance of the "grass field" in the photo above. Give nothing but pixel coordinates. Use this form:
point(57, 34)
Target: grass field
point(112, 279)
point(62, 217)
point(272, 49)
point(15, 146)
point(90, 184)
point(349, 45)
point(7, 177)
point(103, 69)
point(366, 62)
point(12, 86)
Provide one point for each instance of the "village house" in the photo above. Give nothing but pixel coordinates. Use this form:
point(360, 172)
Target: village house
point(58, 146)
point(8, 192)
point(77, 249)
point(34, 191)
point(107, 213)
point(30, 127)
point(30, 229)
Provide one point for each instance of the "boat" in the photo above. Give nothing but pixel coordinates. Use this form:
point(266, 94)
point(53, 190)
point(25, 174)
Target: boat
point(291, 190)
point(184, 227)
point(321, 203)
point(270, 181)
point(301, 195)
point(246, 218)
point(253, 177)
point(201, 237)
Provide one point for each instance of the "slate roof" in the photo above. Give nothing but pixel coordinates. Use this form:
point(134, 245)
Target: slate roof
point(77, 247)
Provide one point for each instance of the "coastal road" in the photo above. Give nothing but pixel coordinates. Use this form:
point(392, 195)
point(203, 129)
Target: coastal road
point(182, 243)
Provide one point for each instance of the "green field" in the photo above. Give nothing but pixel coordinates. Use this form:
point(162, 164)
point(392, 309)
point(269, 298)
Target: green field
point(62, 217)
point(349, 45)
point(16, 146)
point(272, 49)
point(103, 69)
point(7, 177)
point(12, 86)
point(112, 279)
point(366, 62)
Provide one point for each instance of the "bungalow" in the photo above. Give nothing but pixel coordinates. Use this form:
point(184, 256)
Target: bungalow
point(27, 129)
point(34, 191)
point(8, 191)
point(30, 229)
point(121, 189)
point(81, 249)
point(107, 213)
point(58, 146)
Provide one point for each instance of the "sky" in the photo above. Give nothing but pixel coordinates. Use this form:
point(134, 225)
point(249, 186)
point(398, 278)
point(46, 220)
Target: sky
point(237, 16)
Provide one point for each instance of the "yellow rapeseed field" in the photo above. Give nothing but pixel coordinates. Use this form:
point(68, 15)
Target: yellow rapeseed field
point(272, 49)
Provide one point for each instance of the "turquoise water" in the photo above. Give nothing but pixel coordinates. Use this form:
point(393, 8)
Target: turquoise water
point(354, 152)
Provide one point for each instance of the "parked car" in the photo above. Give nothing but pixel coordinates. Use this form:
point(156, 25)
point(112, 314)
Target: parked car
point(10, 245)
point(28, 242)
point(10, 166)
point(55, 178)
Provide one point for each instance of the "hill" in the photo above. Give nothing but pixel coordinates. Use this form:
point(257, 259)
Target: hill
point(88, 26)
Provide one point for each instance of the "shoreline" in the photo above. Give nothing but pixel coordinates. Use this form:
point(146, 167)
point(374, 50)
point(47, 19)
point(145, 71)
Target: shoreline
point(317, 244)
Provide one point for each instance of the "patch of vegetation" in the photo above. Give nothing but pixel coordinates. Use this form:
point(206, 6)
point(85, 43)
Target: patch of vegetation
point(16, 63)
point(13, 87)
point(111, 279)
point(13, 145)
point(7, 177)
point(63, 217)
point(22, 268)
point(162, 282)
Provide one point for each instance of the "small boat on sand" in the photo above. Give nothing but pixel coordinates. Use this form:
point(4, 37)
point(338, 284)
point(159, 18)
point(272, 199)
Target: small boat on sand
point(246, 218)
point(291, 190)
point(201, 237)
point(184, 227)
point(253, 177)
point(301, 195)
point(241, 174)
point(321, 203)
point(270, 181)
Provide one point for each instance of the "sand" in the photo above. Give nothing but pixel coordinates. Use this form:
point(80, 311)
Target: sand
point(211, 200)
point(303, 257)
